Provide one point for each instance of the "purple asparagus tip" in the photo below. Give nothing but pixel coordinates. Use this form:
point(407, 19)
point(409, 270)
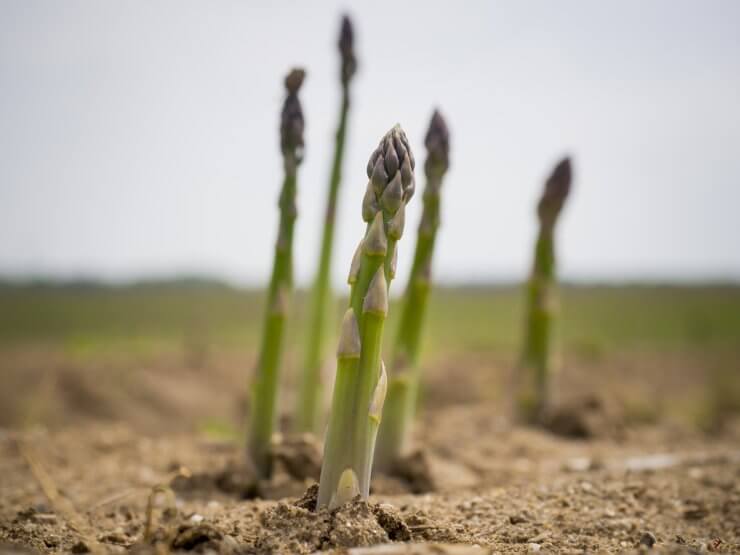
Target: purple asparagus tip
point(291, 119)
point(558, 183)
point(346, 49)
point(437, 142)
point(557, 188)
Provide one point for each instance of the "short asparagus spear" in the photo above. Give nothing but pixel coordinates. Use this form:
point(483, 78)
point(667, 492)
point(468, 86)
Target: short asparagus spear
point(405, 373)
point(310, 393)
point(264, 389)
point(536, 362)
point(359, 388)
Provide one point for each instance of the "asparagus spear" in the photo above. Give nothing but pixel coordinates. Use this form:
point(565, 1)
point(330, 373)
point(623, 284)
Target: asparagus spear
point(536, 363)
point(310, 393)
point(264, 388)
point(403, 385)
point(359, 388)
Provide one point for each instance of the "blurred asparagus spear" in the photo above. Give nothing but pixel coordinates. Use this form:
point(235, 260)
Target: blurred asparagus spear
point(264, 389)
point(536, 362)
point(310, 393)
point(398, 413)
point(359, 388)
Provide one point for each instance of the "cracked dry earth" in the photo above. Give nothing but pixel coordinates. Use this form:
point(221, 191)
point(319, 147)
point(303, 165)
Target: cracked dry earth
point(107, 489)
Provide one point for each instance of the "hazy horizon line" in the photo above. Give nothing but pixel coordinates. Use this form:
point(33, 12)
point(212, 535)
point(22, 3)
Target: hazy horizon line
point(209, 279)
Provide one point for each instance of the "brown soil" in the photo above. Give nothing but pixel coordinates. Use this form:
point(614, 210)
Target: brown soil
point(510, 489)
point(631, 480)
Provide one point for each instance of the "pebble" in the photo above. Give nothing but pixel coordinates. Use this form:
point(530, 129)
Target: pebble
point(533, 547)
point(517, 519)
point(648, 539)
point(196, 518)
point(52, 540)
point(80, 547)
point(578, 464)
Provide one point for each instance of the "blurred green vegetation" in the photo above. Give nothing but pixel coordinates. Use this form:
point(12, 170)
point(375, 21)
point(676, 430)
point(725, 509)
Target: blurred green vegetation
point(594, 320)
point(660, 349)
point(85, 319)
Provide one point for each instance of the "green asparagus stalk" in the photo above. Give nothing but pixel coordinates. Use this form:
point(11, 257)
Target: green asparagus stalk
point(534, 375)
point(263, 407)
point(360, 385)
point(403, 385)
point(310, 393)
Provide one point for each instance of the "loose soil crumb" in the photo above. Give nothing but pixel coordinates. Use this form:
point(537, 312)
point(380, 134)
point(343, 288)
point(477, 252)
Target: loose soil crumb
point(287, 528)
point(301, 528)
point(296, 462)
point(586, 417)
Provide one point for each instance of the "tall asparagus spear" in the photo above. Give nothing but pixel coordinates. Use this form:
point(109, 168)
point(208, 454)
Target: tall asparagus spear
point(310, 394)
point(536, 364)
point(404, 382)
point(264, 388)
point(360, 385)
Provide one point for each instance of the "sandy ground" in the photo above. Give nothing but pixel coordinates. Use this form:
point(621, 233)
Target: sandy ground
point(115, 465)
point(504, 489)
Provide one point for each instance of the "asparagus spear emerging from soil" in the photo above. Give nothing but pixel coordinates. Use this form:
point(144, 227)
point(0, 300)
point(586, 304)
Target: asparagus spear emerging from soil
point(310, 394)
point(359, 388)
point(264, 389)
point(536, 365)
point(403, 385)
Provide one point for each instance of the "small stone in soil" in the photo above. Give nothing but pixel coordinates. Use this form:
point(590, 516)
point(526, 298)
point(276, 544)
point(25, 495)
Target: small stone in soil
point(51, 541)
point(80, 547)
point(309, 498)
point(390, 520)
point(648, 539)
point(190, 536)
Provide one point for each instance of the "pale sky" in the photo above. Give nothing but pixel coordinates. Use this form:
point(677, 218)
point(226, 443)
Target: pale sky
point(140, 138)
